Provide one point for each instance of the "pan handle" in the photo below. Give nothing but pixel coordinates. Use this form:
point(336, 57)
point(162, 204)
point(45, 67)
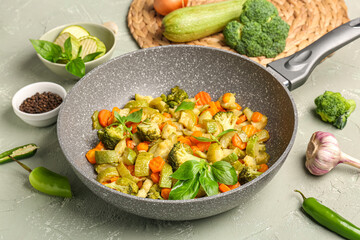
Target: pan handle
point(295, 69)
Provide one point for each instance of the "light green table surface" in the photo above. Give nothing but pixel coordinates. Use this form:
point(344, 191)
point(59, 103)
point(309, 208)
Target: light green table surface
point(274, 213)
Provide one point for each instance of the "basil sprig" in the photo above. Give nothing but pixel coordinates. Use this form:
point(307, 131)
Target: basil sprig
point(185, 106)
point(53, 53)
point(134, 117)
point(212, 138)
point(192, 174)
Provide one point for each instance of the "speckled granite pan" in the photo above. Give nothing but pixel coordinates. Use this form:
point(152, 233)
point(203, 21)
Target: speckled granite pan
point(154, 71)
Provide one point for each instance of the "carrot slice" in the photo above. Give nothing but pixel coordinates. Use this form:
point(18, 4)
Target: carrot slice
point(234, 186)
point(103, 117)
point(143, 146)
point(236, 141)
point(241, 119)
point(256, 117)
point(202, 98)
point(155, 177)
point(249, 130)
point(223, 188)
point(90, 156)
point(156, 164)
point(226, 97)
point(165, 193)
point(263, 167)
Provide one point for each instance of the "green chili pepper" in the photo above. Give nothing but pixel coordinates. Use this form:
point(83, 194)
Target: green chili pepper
point(18, 153)
point(47, 181)
point(329, 219)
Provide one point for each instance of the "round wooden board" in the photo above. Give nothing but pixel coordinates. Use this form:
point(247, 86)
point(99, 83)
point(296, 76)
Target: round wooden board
point(308, 20)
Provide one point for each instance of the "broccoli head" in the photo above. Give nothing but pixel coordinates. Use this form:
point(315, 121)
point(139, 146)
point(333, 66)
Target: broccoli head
point(148, 131)
point(179, 154)
point(226, 119)
point(247, 174)
point(334, 108)
point(176, 96)
point(154, 192)
point(111, 135)
point(260, 31)
point(124, 185)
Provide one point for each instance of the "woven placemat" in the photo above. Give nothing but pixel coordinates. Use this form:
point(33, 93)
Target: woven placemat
point(308, 20)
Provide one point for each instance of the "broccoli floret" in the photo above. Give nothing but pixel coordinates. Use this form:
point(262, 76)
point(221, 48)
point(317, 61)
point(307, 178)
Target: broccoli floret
point(257, 150)
point(247, 174)
point(259, 31)
point(124, 185)
point(148, 131)
point(226, 119)
point(110, 136)
point(176, 96)
point(154, 192)
point(334, 108)
point(179, 154)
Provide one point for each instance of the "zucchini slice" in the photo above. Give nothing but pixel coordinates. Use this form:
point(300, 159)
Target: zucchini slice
point(91, 44)
point(76, 31)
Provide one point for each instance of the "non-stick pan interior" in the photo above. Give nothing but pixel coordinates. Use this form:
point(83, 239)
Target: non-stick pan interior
point(155, 71)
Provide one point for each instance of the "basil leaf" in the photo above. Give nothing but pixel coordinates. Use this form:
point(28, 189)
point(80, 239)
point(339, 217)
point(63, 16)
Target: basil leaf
point(91, 56)
point(185, 106)
point(185, 189)
point(203, 139)
point(76, 67)
point(208, 183)
point(68, 48)
point(120, 119)
point(224, 172)
point(48, 50)
point(225, 132)
point(187, 170)
point(135, 117)
point(79, 52)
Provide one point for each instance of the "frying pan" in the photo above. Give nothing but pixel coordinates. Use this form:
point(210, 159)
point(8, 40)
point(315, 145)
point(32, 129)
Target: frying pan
point(154, 71)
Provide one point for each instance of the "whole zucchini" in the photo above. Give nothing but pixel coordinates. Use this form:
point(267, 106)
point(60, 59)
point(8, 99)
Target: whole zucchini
point(191, 23)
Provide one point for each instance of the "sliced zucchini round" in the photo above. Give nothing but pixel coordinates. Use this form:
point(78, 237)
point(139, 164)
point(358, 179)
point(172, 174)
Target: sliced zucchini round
point(76, 31)
point(91, 44)
point(75, 43)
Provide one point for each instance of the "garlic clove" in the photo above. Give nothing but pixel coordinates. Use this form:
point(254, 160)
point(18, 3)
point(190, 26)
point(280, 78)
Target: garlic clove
point(112, 26)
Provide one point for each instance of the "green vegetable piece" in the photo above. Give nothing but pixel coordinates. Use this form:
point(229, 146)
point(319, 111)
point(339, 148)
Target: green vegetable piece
point(137, 104)
point(100, 167)
point(155, 192)
point(110, 136)
point(176, 96)
point(95, 121)
point(125, 172)
point(129, 156)
point(188, 119)
point(18, 153)
point(76, 67)
point(185, 189)
point(165, 176)
point(226, 119)
point(248, 174)
point(187, 170)
point(334, 108)
point(192, 23)
point(69, 44)
point(232, 157)
point(106, 156)
point(212, 126)
point(224, 173)
point(215, 153)
point(208, 183)
point(124, 185)
point(142, 168)
point(107, 174)
point(90, 45)
point(48, 50)
point(329, 219)
point(179, 154)
point(159, 104)
point(185, 106)
point(76, 31)
point(257, 150)
point(260, 31)
point(48, 182)
point(148, 131)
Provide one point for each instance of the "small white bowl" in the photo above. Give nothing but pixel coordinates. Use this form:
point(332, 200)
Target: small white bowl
point(37, 119)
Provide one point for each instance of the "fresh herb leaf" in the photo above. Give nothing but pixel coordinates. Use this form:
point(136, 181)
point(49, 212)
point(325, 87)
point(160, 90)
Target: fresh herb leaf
point(91, 56)
point(185, 106)
point(48, 50)
point(185, 189)
point(208, 182)
point(76, 67)
point(68, 48)
point(224, 172)
point(225, 132)
point(135, 117)
point(203, 139)
point(79, 52)
point(188, 170)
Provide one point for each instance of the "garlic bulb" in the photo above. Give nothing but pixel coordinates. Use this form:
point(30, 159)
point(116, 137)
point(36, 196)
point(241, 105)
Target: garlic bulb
point(112, 26)
point(323, 154)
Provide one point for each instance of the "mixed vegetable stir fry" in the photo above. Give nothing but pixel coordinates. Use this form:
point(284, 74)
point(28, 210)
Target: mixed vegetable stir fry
point(175, 147)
